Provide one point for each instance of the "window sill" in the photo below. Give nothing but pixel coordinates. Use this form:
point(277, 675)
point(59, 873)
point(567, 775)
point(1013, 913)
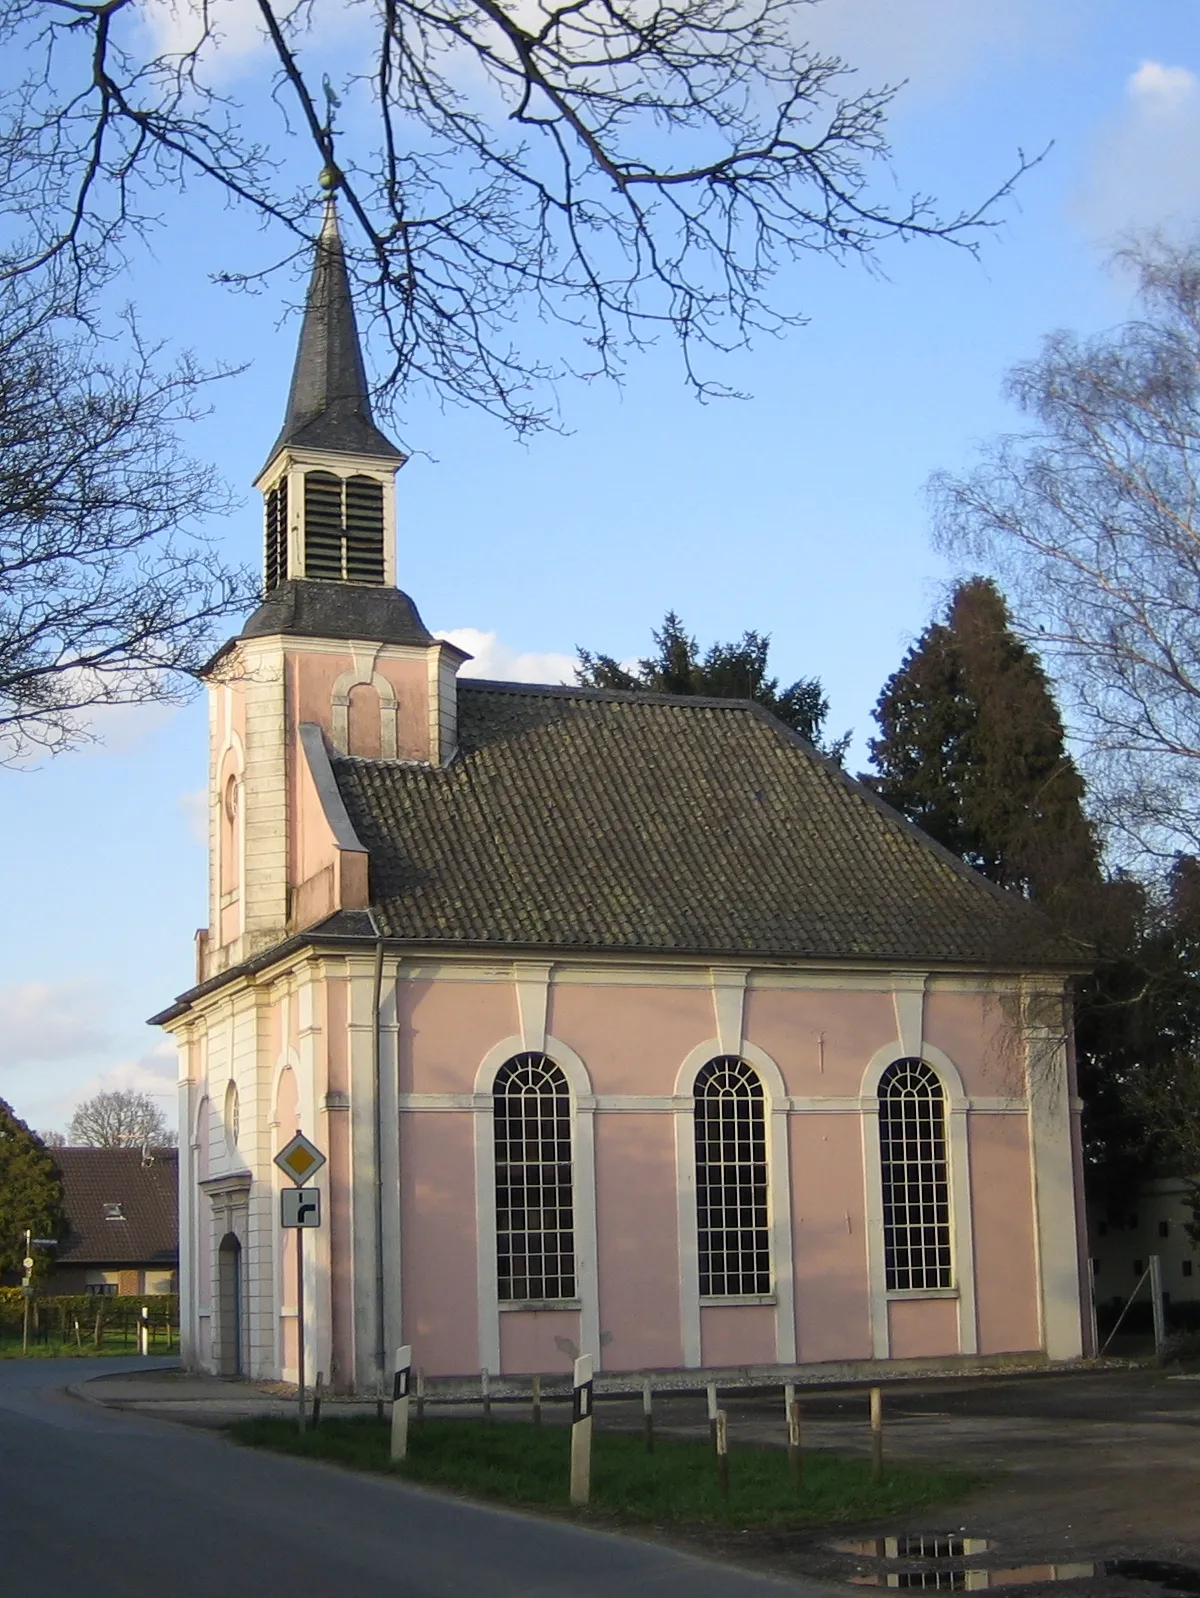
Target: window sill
point(902, 1293)
point(507, 1306)
point(739, 1298)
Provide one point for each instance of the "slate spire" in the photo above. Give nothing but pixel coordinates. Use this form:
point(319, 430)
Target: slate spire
point(329, 407)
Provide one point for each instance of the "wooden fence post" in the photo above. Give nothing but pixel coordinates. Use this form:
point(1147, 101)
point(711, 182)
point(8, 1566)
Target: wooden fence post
point(876, 1434)
point(722, 1447)
point(795, 1457)
point(537, 1400)
point(647, 1415)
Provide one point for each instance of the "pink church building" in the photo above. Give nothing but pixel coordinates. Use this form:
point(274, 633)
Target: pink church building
point(623, 1020)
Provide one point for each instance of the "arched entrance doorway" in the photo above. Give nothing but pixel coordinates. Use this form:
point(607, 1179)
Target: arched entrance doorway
point(229, 1306)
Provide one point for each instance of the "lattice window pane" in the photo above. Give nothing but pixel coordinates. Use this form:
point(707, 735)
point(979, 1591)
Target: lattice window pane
point(535, 1223)
point(731, 1180)
point(916, 1183)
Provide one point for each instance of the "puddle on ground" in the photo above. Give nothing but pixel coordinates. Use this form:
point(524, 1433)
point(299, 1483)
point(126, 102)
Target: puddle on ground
point(917, 1545)
point(945, 1572)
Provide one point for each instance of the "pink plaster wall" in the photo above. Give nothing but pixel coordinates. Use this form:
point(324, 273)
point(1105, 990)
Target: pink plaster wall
point(337, 991)
point(789, 1023)
point(632, 1039)
point(446, 1028)
point(363, 721)
point(338, 1189)
point(1002, 1208)
point(920, 1328)
point(439, 1262)
point(974, 1029)
point(527, 1343)
point(637, 1232)
point(737, 1334)
point(310, 680)
point(829, 1237)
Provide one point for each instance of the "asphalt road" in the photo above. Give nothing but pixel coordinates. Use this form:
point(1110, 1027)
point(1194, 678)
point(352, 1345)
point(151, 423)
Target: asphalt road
point(119, 1506)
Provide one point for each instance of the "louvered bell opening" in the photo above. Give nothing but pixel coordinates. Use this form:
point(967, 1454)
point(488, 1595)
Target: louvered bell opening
point(324, 538)
point(364, 530)
point(275, 556)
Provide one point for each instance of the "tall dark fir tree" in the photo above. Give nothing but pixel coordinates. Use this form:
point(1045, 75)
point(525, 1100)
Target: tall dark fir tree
point(31, 1191)
point(972, 748)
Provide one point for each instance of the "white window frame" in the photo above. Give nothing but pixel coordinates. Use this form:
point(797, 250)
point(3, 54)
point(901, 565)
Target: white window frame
point(962, 1249)
point(583, 1162)
point(779, 1204)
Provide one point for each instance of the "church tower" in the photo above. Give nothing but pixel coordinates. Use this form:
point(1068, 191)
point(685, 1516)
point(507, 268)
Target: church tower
point(335, 658)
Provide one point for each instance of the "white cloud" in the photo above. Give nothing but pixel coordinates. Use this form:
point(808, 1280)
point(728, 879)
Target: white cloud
point(195, 811)
point(1145, 167)
point(52, 1021)
point(154, 1073)
point(501, 663)
point(178, 26)
point(931, 43)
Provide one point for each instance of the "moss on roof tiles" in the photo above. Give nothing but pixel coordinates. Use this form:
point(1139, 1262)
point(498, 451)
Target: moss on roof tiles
point(638, 823)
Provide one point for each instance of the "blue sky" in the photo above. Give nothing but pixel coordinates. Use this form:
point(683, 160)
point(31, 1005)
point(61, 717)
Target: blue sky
point(798, 511)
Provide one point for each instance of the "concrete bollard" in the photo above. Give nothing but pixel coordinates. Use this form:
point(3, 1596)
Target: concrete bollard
point(711, 1391)
point(581, 1431)
point(401, 1381)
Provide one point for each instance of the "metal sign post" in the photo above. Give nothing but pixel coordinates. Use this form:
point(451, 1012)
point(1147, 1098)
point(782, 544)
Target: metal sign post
point(300, 1210)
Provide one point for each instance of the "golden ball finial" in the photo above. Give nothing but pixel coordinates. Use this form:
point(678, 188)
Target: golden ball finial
point(329, 179)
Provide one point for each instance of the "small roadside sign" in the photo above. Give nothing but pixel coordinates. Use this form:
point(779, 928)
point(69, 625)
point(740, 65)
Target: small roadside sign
point(300, 1206)
point(27, 1262)
point(300, 1159)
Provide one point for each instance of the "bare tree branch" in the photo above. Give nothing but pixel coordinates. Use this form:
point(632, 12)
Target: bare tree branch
point(622, 169)
point(1091, 518)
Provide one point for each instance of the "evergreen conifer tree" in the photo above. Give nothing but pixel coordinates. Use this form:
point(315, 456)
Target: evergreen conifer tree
point(735, 670)
point(972, 749)
point(31, 1192)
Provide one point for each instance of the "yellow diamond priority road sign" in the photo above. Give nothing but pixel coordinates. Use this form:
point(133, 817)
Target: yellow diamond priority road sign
point(300, 1159)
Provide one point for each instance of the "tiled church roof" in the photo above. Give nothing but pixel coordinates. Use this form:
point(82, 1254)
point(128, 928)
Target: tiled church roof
point(586, 820)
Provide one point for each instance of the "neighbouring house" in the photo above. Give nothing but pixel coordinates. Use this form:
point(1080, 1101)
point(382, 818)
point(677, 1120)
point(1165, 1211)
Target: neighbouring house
point(1124, 1236)
point(122, 1222)
point(625, 1022)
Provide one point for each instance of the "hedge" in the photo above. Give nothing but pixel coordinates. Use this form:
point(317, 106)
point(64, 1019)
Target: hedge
point(53, 1318)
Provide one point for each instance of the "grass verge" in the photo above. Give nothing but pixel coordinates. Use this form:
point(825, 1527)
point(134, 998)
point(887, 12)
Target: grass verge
point(523, 1464)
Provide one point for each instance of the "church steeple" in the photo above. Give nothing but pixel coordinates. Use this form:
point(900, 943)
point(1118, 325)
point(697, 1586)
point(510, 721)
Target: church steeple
point(329, 407)
point(329, 480)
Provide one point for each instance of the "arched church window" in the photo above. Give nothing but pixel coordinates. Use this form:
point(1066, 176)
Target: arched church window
point(275, 562)
point(535, 1226)
point(731, 1180)
point(343, 528)
point(916, 1184)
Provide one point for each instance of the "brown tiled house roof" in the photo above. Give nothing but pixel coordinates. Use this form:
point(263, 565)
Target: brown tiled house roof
point(585, 820)
point(145, 1191)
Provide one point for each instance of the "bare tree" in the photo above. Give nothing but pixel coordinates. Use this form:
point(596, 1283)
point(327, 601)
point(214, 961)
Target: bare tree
point(620, 168)
point(1090, 516)
point(108, 591)
point(53, 1140)
point(124, 1119)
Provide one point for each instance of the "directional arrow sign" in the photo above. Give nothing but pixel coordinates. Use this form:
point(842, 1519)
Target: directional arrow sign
point(300, 1206)
point(300, 1159)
